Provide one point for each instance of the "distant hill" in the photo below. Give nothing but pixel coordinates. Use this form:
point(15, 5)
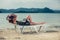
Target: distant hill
point(34, 10)
point(57, 11)
point(0, 12)
point(28, 10)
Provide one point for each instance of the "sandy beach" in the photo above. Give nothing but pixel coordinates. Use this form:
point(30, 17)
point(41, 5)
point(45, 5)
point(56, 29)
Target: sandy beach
point(11, 34)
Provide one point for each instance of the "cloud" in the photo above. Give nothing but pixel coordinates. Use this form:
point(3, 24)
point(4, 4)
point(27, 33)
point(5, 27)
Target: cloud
point(54, 4)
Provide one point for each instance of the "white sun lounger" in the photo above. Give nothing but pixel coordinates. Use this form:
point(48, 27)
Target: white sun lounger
point(37, 28)
point(21, 27)
point(32, 27)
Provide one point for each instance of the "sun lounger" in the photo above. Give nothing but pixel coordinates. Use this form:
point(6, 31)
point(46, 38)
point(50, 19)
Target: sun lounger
point(37, 28)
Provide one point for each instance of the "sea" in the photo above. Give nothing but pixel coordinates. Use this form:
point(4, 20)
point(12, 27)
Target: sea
point(49, 18)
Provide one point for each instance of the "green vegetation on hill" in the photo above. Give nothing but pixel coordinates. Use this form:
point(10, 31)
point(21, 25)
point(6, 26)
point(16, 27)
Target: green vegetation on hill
point(28, 10)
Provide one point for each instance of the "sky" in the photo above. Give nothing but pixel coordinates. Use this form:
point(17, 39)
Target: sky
point(13, 4)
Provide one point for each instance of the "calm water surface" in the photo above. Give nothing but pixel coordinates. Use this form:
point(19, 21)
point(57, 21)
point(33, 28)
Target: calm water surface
point(50, 18)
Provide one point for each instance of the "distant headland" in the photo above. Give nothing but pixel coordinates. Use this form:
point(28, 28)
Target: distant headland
point(29, 10)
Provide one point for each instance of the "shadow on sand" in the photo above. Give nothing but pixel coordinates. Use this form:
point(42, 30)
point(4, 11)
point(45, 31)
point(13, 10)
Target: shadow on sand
point(39, 32)
point(30, 32)
point(51, 31)
point(2, 38)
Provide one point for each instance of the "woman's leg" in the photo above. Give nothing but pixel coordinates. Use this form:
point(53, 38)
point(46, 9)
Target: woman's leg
point(34, 23)
point(29, 18)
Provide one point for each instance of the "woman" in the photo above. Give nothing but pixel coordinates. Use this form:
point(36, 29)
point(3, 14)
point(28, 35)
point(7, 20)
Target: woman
point(28, 21)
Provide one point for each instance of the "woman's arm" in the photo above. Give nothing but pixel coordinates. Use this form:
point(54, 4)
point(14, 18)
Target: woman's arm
point(7, 18)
